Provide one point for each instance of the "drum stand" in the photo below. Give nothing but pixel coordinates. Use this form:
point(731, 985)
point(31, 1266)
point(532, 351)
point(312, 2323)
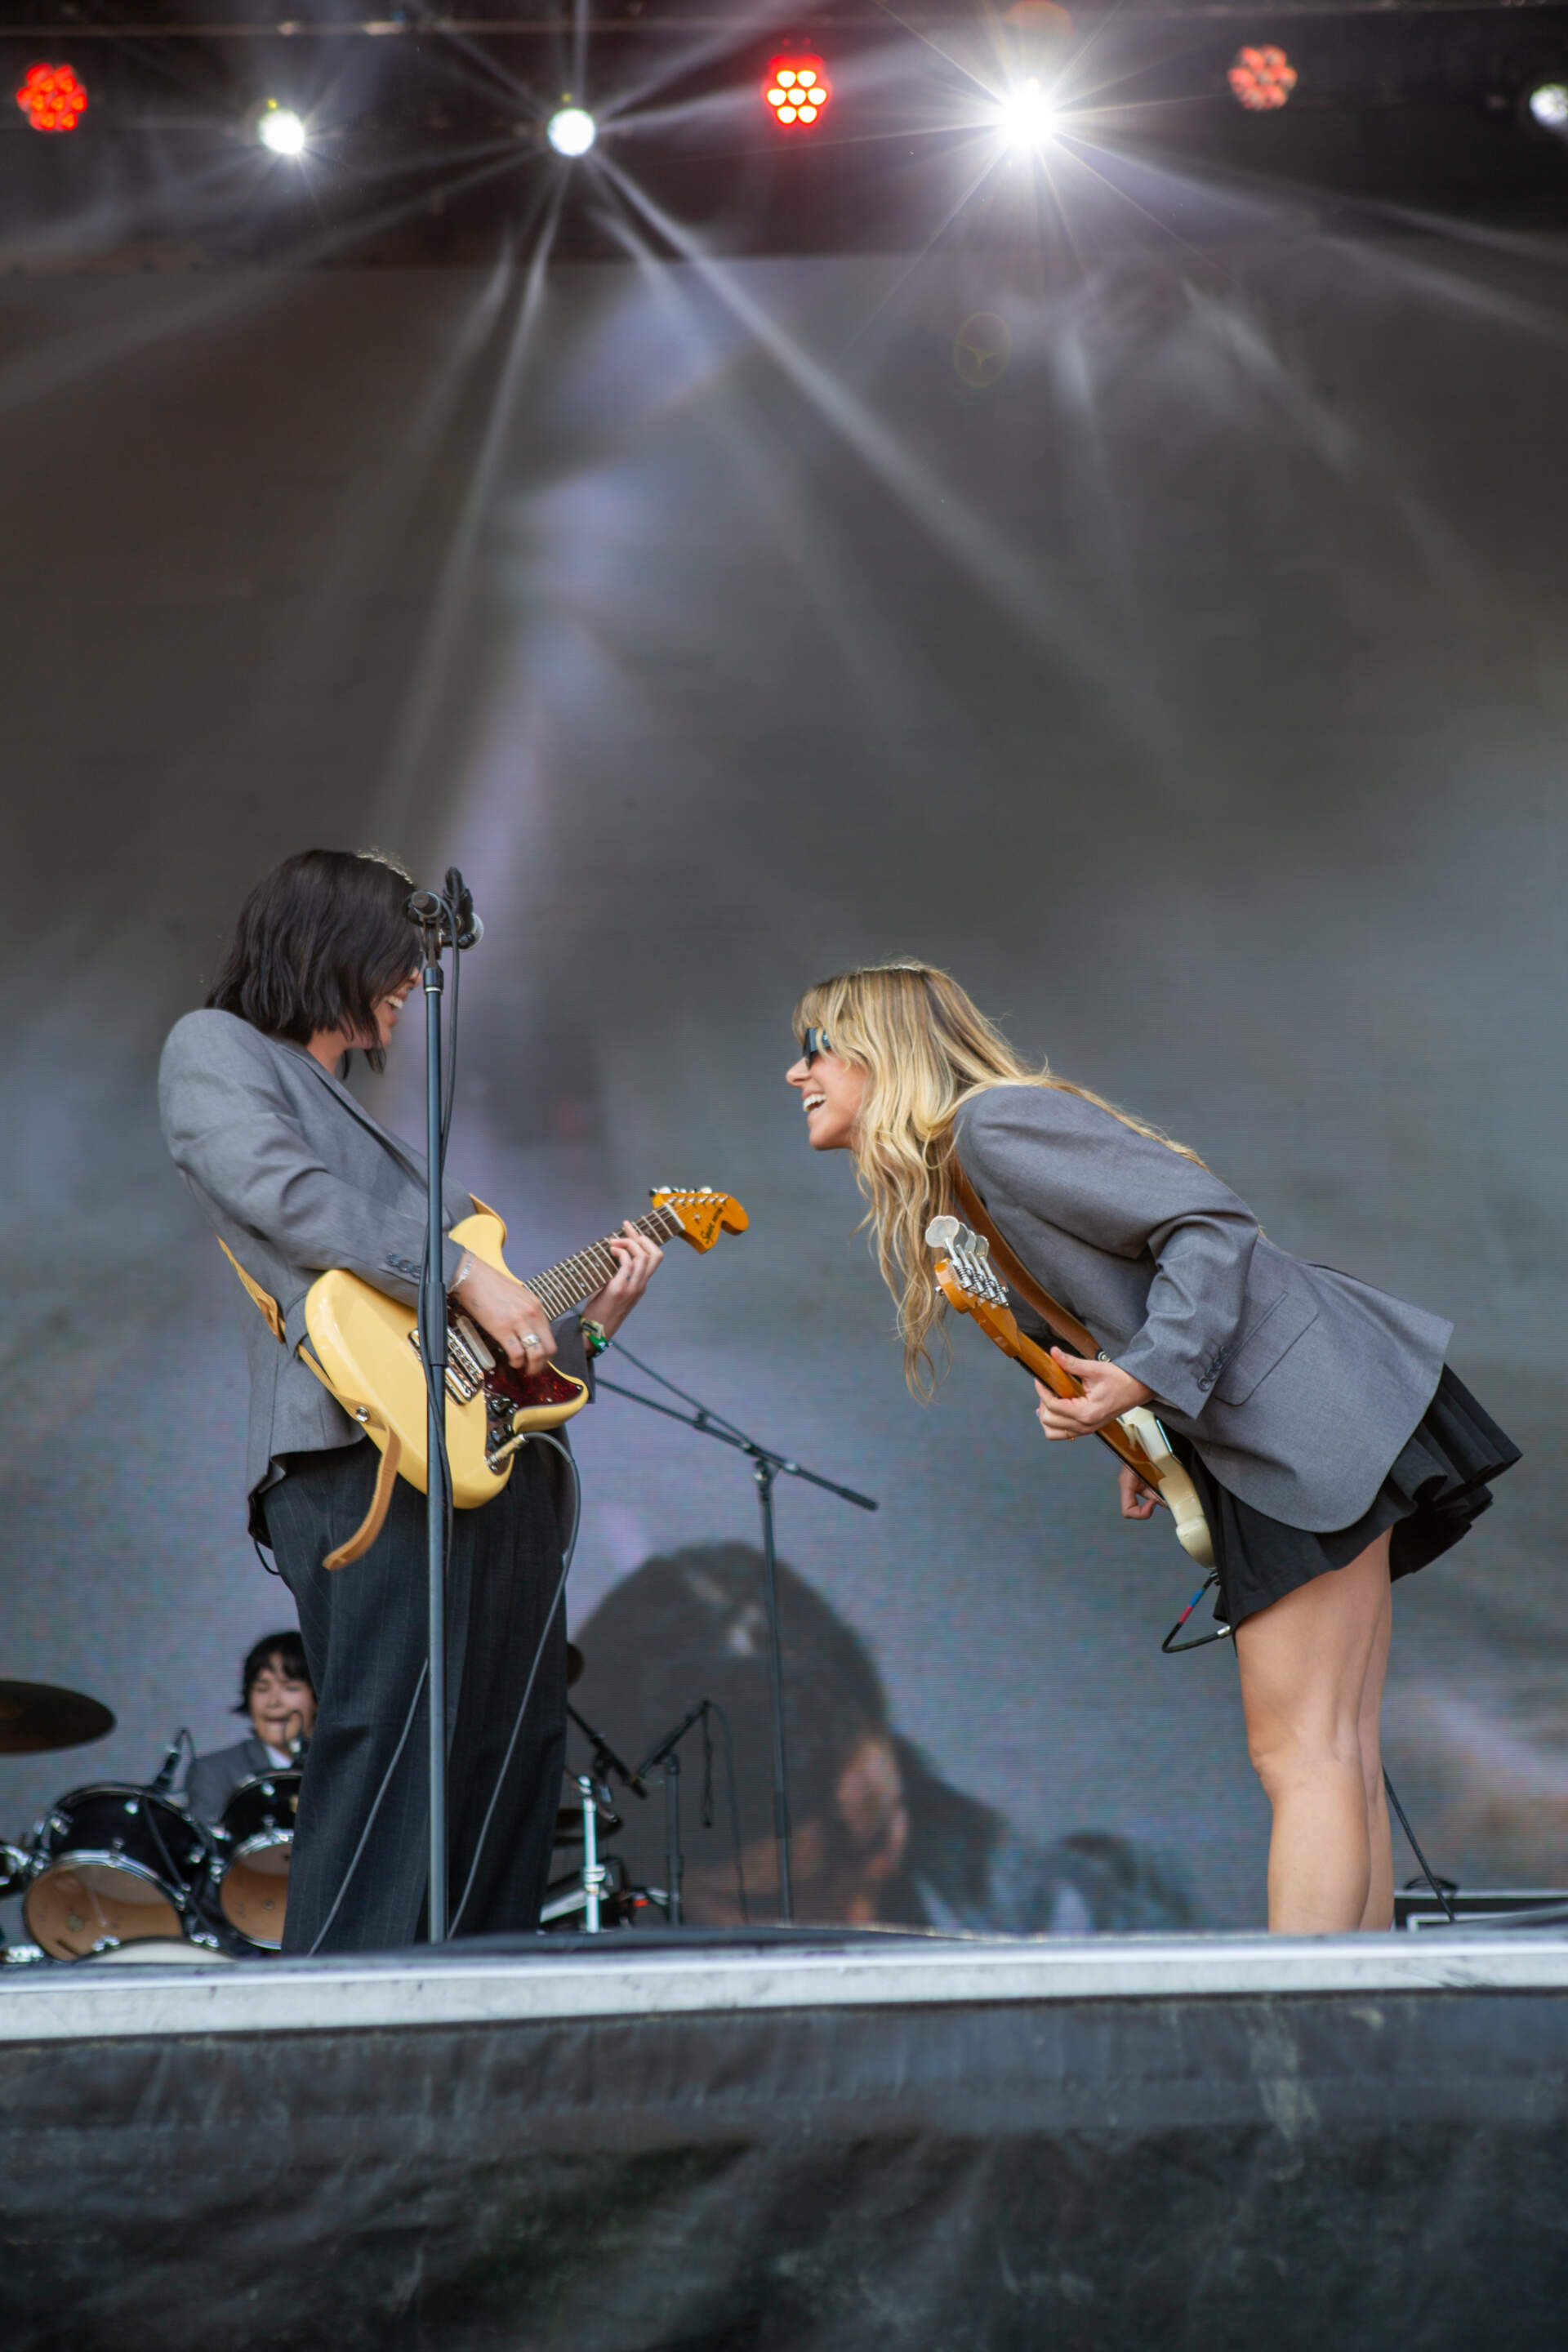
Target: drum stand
point(594, 1870)
point(596, 1879)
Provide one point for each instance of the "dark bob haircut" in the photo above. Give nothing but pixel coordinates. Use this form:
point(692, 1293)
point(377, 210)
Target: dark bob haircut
point(284, 1651)
point(319, 942)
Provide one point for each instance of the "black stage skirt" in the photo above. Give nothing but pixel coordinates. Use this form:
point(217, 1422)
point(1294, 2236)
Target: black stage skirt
point(1436, 1490)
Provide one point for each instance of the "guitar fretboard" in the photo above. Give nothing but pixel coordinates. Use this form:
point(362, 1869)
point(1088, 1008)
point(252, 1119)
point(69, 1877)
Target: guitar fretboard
point(562, 1287)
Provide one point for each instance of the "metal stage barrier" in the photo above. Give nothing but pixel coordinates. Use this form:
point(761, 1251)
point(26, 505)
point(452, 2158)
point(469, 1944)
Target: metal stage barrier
point(807, 2142)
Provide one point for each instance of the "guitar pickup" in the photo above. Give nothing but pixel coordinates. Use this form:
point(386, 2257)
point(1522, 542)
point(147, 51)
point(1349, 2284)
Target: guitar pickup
point(465, 1371)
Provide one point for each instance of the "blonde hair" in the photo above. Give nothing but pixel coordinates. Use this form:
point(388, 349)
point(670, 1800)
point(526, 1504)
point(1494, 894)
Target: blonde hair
point(926, 1049)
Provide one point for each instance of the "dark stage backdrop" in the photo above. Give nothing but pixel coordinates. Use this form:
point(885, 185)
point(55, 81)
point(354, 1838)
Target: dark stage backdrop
point(1179, 661)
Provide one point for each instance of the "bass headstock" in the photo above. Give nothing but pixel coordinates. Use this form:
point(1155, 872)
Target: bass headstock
point(968, 1280)
point(701, 1213)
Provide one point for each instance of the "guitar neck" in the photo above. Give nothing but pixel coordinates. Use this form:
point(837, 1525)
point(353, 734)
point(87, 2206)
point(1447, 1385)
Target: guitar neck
point(1005, 1335)
point(562, 1287)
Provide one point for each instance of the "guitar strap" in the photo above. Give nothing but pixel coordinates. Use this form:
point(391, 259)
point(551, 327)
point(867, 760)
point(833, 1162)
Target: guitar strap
point(370, 1527)
point(1067, 1327)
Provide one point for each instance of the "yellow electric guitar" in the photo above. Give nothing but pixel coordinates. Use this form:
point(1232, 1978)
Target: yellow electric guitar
point(969, 1282)
point(365, 1347)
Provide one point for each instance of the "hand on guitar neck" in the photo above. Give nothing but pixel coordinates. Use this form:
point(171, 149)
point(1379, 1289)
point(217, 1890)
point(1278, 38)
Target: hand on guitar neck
point(1104, 1394)
point(1101, 1392)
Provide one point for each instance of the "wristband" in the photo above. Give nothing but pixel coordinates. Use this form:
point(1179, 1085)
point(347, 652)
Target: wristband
point(595, 1338)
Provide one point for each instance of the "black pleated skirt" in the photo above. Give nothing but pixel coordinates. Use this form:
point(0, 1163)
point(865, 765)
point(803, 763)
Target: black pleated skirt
point(1435, 1491)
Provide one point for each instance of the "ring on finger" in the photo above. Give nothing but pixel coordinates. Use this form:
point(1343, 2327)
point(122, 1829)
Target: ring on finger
point(530, 1340)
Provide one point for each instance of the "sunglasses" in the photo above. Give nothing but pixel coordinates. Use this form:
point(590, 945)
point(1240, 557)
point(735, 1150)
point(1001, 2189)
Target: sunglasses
point(814, 1042)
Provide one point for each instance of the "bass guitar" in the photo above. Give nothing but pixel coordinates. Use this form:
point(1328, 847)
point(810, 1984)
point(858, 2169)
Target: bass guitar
point(365, 1347)
point(969, 1282)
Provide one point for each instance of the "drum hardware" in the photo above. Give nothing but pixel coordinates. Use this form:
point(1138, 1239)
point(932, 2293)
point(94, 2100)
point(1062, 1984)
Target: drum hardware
point(35, 1717)
point(15, 1869)
point(596, 1806)
point(567, 1898)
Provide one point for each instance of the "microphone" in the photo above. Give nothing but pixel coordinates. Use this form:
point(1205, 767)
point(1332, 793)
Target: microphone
point(448, 913)
point(164, 1779)
point(469, 929)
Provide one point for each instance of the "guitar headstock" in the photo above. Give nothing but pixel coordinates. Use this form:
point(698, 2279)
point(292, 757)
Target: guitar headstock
point(968, 1280)
point(701, 1213)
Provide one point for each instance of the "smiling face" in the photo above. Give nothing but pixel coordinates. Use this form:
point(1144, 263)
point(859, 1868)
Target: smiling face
point(281, 1708)
point(389, 1007)
point(831, 1094)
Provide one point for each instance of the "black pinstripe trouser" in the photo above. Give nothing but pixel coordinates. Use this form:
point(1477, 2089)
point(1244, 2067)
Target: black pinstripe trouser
point(364, 1631)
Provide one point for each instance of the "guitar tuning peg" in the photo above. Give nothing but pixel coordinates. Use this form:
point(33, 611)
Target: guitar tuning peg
point(942, 1232)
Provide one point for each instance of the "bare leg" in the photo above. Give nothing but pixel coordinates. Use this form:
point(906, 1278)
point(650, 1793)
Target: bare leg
point(1379, 1911)
point(1305, 1665)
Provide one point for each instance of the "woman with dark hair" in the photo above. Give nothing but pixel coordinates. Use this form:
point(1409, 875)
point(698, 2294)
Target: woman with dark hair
point(295, 1177)
point(1331, 1447)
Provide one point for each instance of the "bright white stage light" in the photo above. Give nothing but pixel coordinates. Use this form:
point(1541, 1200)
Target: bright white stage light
point(1026, 116)
point(281, 129)
point(572, 131)
point(1548, 105)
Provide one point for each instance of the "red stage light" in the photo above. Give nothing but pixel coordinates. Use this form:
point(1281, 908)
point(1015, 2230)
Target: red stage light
point(1261, 80)
point(795, 91)
point(51, 97)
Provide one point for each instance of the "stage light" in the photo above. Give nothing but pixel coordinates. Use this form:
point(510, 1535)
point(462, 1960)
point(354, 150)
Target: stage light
point(51, 97)
point(280, 128)
point(795, 88)
point(1026, 116)
point(1549, 106)
point(1261, 78)
point(570, 132)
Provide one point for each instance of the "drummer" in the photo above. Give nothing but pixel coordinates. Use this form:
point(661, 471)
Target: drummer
point(276, 1693)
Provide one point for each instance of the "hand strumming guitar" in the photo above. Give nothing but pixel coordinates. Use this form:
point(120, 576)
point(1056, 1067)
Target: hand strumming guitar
point(509, 1311)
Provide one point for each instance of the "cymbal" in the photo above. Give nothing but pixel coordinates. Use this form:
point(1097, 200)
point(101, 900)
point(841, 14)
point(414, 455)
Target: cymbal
point(575, 1662)
point(36, 1716)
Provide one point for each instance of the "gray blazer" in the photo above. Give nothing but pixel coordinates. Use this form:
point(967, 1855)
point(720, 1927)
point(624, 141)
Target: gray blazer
point(212, 1779)
point(1297, 1385)
point(295, 1177)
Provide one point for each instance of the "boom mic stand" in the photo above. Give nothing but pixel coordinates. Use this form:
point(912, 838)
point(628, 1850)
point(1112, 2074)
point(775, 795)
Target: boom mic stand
point(445, 918)
point(766, 1468)
point(667, 1754)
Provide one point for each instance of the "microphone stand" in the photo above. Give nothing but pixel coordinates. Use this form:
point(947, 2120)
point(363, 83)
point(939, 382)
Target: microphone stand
point(665, 1754)
point(766, 1468)
point(444, 919)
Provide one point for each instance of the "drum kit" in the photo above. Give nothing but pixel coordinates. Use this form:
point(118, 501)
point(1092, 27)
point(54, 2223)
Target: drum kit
point(116, 1869)
point(114, 1866)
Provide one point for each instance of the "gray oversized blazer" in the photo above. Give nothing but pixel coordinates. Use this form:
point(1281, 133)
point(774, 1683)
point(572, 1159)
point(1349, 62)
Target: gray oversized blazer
point(1297, 1385)
point(296, 1176)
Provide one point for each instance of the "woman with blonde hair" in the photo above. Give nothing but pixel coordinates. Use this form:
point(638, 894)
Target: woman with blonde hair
point(1331, 1447)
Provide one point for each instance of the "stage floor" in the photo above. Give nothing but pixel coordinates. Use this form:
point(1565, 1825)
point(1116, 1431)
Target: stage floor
point(692, 1974)
point(794, 2142)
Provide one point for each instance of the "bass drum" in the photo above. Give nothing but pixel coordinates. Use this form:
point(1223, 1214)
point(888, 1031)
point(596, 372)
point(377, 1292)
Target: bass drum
point(252, 1872)
point(111, 1866)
